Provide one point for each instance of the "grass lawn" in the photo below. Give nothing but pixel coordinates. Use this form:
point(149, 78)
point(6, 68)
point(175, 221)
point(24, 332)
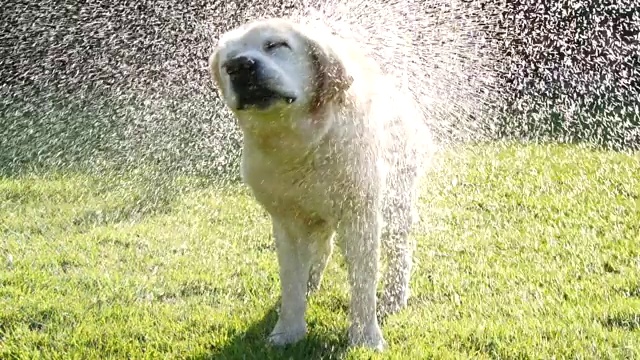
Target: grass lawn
point(523, 252)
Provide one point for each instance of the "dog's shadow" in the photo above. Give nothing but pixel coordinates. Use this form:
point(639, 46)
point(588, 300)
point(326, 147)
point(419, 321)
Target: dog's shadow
point(252, 344)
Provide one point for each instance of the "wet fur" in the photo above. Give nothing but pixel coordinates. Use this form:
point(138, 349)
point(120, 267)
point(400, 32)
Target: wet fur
point(344, 160)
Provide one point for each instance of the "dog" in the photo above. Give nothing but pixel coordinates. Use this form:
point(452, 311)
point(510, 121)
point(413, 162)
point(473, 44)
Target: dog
point(331, 147)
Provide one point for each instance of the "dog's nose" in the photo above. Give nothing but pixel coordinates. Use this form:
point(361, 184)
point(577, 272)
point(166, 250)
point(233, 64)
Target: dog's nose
point(240, 64)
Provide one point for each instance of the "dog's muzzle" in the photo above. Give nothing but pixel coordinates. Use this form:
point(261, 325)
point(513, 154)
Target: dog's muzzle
point(250, 84)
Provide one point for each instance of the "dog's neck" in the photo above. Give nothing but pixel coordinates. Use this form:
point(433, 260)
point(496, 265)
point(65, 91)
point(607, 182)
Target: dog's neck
point(284, 136)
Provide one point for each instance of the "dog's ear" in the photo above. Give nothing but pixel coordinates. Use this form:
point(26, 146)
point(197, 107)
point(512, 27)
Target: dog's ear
point(214, 69)
point(330, 78)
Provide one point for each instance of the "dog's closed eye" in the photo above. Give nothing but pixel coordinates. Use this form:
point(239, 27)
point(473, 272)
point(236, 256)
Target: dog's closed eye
point(275, 44)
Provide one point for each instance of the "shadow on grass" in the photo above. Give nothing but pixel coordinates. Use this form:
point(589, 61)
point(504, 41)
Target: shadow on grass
point(252, 344)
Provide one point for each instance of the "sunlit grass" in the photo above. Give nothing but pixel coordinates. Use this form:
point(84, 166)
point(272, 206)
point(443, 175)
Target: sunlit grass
point(523, 252)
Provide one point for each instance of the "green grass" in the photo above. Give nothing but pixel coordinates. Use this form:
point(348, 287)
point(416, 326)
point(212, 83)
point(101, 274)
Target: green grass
point(523, 252)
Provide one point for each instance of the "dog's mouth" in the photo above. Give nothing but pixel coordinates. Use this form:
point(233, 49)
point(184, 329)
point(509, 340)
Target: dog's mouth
point(256, 95)
point(262, 99)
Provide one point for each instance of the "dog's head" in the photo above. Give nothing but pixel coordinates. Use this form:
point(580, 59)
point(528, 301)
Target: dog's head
point(273, 65)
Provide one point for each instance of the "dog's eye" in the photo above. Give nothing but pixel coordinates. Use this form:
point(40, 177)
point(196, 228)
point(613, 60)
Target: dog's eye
point(272, 45)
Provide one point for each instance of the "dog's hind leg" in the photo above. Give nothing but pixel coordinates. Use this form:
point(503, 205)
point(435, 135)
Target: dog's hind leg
point(398, 247)
point(321, 249)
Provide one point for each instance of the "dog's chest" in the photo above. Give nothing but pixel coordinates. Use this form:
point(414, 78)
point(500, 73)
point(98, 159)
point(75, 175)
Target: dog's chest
point(308, 184)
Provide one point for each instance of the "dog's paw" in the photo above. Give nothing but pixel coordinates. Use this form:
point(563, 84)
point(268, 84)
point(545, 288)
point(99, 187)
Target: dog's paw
point(369, 337)
point(284, 335)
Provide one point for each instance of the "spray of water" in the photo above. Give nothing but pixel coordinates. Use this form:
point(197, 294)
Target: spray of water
point(123, 88)
point(127, 83)
point(436, 50)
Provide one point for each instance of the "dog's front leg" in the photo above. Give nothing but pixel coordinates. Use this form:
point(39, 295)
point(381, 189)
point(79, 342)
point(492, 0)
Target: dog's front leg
point(293, 259)
point(361, 239)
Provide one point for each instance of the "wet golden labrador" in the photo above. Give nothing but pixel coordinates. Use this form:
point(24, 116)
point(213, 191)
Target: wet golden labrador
point(331, 147)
